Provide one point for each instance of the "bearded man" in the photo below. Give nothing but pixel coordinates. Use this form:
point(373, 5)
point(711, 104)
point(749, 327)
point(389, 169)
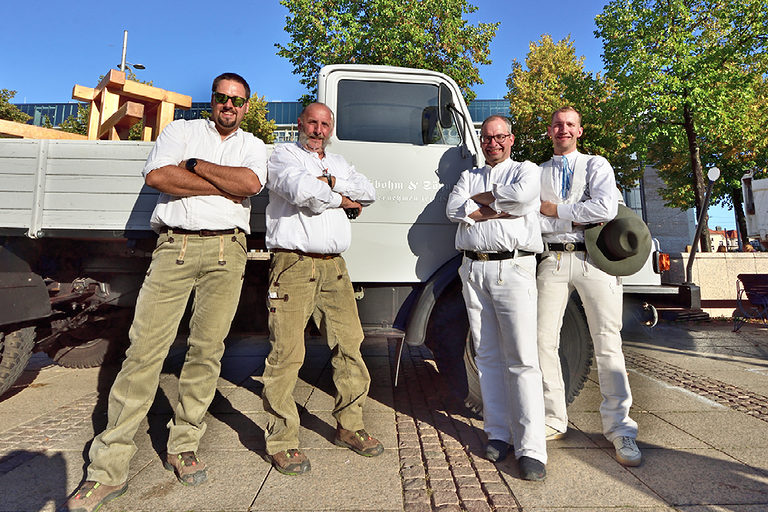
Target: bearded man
point(311, 195)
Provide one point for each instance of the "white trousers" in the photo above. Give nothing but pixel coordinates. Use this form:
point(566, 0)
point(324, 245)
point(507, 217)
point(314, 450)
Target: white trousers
point(501, 305)
point(559, 273)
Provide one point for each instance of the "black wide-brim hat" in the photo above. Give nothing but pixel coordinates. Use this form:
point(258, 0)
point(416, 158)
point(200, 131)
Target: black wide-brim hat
point(619, 247)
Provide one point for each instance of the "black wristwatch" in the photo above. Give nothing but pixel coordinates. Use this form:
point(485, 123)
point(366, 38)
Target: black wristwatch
point(191, 163)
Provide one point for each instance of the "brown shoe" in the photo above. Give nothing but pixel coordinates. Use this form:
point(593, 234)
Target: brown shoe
point(360, 442)
point(290, 462)
point(188, 468)
point(92, 495)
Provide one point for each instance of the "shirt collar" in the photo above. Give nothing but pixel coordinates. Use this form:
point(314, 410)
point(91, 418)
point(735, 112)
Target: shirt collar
point(212, 127)
point(309, 152)
point(571, 157)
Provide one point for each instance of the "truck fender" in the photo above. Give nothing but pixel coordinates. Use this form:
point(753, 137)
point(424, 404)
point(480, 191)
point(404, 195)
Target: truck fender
point(23, 294)
point(417, 311)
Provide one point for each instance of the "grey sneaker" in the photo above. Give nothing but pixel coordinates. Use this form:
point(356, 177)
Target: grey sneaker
point(496, 450)
point(627, 452)
point(552, 434)
point(532, 469)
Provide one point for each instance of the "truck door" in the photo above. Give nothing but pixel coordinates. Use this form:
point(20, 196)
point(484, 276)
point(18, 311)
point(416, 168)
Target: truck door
point(387, 126)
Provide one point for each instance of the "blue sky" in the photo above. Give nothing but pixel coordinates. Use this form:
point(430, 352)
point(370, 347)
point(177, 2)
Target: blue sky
point(50, 45)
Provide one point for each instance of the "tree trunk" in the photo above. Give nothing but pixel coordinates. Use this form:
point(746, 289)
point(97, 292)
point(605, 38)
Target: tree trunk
point(699, 184)
point(741, 220)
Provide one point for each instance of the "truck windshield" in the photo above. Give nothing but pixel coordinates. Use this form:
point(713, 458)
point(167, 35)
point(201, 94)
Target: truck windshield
point(375, 111)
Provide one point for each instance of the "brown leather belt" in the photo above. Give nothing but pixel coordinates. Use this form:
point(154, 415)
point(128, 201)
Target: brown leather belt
point(200, 232)
point(316, 255)
point(496, 256)
point(565, 247)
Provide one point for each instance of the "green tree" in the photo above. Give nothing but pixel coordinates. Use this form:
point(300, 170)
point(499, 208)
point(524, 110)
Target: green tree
point(11, 112)
point(430, 34)
point(681, 69)
point(552, 77)
point(78, 123)
point(255, 121)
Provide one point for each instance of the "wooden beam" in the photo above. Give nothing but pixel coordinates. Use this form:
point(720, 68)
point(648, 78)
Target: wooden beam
point(28, 131)
point(125, 117)
point(112, 80)
point(145, 92)
point(163, 116)
point(82, 93)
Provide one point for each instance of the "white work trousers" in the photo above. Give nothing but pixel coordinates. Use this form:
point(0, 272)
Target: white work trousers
point(559, 273)
point(501, 305)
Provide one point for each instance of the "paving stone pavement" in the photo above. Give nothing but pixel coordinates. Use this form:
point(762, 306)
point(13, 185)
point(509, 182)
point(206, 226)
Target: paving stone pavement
point(700, 398)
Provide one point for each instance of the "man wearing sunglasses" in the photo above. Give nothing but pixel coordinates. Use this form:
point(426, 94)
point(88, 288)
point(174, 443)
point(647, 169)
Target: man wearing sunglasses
point(496, 209)
point(205, 171)
point(307, 230)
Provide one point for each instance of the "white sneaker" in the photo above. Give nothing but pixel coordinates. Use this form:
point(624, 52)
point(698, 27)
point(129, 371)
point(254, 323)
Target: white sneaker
point(627, 452)
point(552, 434)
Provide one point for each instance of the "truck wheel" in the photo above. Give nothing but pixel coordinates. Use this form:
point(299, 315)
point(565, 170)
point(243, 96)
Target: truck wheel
point(15, 351)
point(448, 328)
point(101, 340)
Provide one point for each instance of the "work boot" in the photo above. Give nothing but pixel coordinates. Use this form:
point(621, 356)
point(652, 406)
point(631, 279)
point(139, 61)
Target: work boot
point(290, 462)
point(92, 495)
point(188, 468)
point(359, 442)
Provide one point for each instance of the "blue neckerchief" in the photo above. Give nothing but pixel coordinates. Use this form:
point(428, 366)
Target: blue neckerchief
point(567, 178)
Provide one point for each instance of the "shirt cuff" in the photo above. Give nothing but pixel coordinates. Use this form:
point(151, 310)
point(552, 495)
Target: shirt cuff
point(341, 185)
point(335, 201)
point(565, 212)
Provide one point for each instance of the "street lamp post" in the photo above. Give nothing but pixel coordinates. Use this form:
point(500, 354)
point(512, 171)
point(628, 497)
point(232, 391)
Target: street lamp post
point(123, 63)
point(713, 174)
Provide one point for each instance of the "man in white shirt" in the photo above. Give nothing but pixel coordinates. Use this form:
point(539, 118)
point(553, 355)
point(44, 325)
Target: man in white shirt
point(205, 171)
point(496, 207)
point(578, 190)
point(311, 195)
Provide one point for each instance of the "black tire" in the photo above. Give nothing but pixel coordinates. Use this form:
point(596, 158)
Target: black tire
point(15, 351)
point(448, 328)
point(101, 340)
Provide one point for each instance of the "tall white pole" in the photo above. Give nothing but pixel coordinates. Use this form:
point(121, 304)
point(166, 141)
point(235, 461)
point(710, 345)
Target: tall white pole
point(125, 45)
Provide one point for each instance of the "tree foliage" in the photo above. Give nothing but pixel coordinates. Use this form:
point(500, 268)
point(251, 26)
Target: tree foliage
point(78, 123)
point(553, 77)
point(685, 70)
point(11, 112)
point(255, 121)
point(429, 34)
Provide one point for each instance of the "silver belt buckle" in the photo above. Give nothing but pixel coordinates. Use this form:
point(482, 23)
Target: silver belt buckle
point(482, 256)
point(570, 246)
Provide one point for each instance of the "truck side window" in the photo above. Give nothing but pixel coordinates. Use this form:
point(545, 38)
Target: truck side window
point(375, 111)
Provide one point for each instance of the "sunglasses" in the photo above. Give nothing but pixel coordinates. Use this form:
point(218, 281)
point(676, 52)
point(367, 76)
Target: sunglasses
point(220, 97)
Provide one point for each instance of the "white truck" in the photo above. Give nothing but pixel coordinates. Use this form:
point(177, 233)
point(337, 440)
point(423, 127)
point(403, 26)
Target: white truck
point(755, 196)
point(75, 239)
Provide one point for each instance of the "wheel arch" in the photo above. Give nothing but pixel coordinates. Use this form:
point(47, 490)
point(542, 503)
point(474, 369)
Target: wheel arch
point(415, 313)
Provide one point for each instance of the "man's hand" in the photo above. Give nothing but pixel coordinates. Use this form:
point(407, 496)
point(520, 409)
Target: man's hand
point(329, 179)
point(348, 203)
point(486, 213)
point(548, 209)
point(483, 198)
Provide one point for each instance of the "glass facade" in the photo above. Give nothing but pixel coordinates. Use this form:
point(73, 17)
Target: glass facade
point(284, 113)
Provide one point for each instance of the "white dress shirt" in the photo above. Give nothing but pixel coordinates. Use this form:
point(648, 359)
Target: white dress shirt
point(182, 140)
point(593, 196)
point(303, 212)
point(516, 187)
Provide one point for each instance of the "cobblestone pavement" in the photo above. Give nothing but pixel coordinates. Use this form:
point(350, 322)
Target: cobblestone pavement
point(701, 399)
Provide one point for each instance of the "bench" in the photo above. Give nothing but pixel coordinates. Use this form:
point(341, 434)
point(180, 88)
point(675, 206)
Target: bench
point(751, 299)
